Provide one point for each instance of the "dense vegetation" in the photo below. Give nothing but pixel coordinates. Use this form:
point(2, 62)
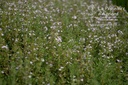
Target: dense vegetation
point(123, 3)
point(62, 42)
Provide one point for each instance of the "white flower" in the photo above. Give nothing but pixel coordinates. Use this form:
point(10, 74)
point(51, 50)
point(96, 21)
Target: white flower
point(48, 84)
point(126, 53)
point(81, 79)
point(74, 17)
point(6, 47)
point(58, 39)
point(17, 68)
point(2, 72)
point(45, 9)
point(61, 68)
point(31, 62)
point(2, 34)
point(120, 32)
point(107, 28)
point(50, 65)
point(30, 76)
point(118, 60)
point(42, 60)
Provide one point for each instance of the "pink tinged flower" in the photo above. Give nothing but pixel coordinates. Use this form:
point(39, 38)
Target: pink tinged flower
point(5, 47)
point(58, 39)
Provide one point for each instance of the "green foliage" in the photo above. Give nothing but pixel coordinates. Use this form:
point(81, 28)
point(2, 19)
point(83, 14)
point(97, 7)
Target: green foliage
point(123, 3)
point(46, 42)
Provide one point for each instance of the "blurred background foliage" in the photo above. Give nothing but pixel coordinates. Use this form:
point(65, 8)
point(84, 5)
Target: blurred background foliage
point(122, 3)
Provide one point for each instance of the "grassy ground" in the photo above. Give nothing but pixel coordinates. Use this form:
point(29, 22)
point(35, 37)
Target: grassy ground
point(62, 42)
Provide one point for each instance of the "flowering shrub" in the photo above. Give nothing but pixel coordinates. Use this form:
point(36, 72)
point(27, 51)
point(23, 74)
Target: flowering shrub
point(62, 42)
